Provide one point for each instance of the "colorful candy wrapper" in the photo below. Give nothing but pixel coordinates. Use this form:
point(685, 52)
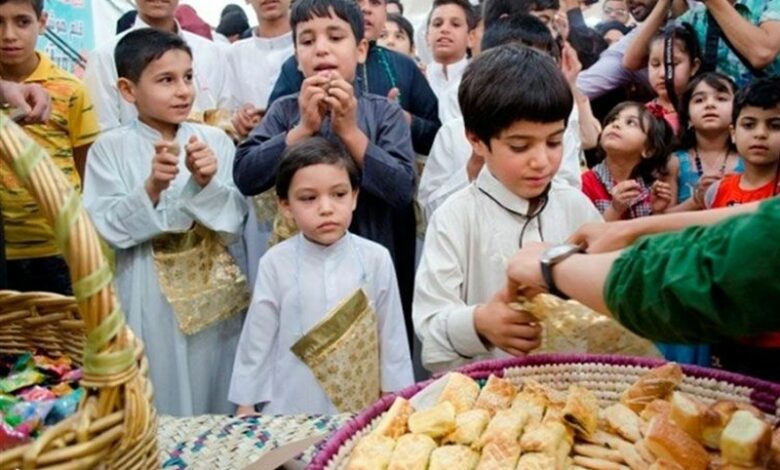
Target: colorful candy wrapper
point(24, 362)
point(36, 393)
point(10, 437)
point(6, 402)
point(21, 380)
point(32, 410)
point(58, 367)
point(64, 407)
point(73, 376)
point(61, 389)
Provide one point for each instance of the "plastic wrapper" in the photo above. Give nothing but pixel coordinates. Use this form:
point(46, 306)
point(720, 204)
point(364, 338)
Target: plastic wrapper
point(571, 327)
point(73, 376)
point(11, 437)
point(19, 380)
point(57, 367)
point(64, 407)
point(61, 389)
point(32, 410)
point(7, 402)
point(36, 393)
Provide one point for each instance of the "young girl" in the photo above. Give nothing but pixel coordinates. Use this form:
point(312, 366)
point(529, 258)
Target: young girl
point(302, 278)
point(686, 63)
point(629, 182)
point(706, 152)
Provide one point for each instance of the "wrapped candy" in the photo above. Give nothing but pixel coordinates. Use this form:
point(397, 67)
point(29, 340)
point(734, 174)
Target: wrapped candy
point(73, 376)
point(6, 402)
point(25, 361)
point(10, 437)
point(64, 407)
point(19, 380)
point(57, 367)
point(62, 389)
point(36, 393)
point(32, 410)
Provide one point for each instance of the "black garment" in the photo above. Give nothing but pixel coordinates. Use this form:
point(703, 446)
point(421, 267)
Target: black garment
point(48, 274)
point(385, 70)
point(761, 363)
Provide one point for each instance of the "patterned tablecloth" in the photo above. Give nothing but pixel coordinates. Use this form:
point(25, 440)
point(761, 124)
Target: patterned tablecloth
point(227, 442)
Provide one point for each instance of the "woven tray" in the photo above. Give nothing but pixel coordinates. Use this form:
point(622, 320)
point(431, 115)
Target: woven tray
point(115, 425)
point(606, 376)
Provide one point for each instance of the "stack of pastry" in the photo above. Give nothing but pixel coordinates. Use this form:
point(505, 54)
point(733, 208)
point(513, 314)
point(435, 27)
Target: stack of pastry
point(653, 427)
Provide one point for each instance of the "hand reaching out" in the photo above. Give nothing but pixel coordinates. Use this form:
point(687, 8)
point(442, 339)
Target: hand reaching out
point(200, 161)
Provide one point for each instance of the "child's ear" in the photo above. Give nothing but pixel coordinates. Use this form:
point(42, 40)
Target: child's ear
point(284, 208)
point(44, 18)
point(733, 133)
point(362, 51)
point(478, 146)
point(355, 194)
point(126, 89)
point(695, 66)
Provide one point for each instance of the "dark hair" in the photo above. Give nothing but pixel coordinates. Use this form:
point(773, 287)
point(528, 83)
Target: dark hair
point(524, 29)
point(396, 2)
point(534, 5)
point(763, 93)
point(468, 10)
point(232, 24)
point(313, 151)
point(606, 26)
point(347, 10)
point(139, 48)
point(721, 83)
point(493, 10)
point(659, 138)
point(404, 25)
point(588, 44)
point(37, 6)
point(512, 83)
point(683, 34)
point(232, 8)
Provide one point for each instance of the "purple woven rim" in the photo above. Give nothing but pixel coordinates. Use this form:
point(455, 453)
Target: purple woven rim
point(764, 395)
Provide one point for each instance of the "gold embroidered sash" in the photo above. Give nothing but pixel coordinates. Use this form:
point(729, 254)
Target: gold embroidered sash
point(199, 278)
point(342, 351)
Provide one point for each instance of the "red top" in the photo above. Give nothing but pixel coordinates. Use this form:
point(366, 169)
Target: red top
point(728, 193)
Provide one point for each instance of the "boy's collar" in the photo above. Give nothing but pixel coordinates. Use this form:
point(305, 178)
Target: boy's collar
point(139, 23)
point(491, 186)
point(148, 131)
point(43, 71)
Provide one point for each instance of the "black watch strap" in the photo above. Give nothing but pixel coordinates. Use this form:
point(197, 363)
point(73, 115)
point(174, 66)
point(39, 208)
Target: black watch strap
point(548, 279)
point(548, 263)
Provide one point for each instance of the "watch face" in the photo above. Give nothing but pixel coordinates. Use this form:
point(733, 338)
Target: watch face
point(553, 253)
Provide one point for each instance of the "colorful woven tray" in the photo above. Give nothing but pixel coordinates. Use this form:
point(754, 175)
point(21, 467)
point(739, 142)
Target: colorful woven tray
point(606, 376)
point(227, 442)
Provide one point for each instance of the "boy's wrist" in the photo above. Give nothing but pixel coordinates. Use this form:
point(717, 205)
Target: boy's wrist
point(152, 191)
point(298, 133)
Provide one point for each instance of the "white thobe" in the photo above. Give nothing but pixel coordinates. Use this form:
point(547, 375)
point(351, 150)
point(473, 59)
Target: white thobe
point(254, 65)
point(468, 242)
point(190, 374)
point(298, 283)
point(443, 84)
point(445, 170)
point(212, 88)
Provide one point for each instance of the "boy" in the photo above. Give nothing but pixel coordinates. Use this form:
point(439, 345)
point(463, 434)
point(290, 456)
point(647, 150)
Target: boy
point(211, 79)
point(153, 185)
point(34, 261)
point(328, 46)
point(385, 73)
point(458, 314)
point(316, 185)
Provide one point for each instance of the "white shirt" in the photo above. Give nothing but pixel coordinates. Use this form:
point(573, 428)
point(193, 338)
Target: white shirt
point(255, 64)
point(445, 169)
point(212, 87)
point(298, 282)
point(469, 239)
point(442, 83)
point(190, 374)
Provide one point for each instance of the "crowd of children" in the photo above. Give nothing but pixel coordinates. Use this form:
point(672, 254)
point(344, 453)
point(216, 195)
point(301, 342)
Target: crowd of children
point(502, 124)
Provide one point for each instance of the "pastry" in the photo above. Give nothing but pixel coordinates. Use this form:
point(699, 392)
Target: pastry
point(581, 411)
point(687, 413)
point(536, 461)
point(746, 440)
point(372, 452)
point(622, 420)
point(657, 383)
point(717, 416)
point(667, 441)
point(468, 427)
point(545, 438)
point(506, 426)
point(499, 455)
point(534, 404)
point(412, 452)
point(452, 457)
point(436, 422)
point(394, 423)
point(496, 395)
point(461, 391)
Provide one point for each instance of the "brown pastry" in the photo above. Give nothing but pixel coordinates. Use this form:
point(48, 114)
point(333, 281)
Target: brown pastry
point(372, 452)
point(532, 403)
point(597, 464)
point(662, 464)
point(436, 422)
point(545, 438)
point(394, 423)
point(667, 441)
point(497, 394)
point(506, 426)
point(746, 440)
point(536, 461)
point(687, 413)
point(581, 411)
point(623, 421)
point(655, 408)
point(412, 452)
point(657, 383)
point(452, 457)
point(717, 416)
point(460, 390)
point(468, 427)
point(499, 455)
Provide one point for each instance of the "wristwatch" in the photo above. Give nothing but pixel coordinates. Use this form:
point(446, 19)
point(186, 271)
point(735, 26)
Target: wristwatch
point(550, 258)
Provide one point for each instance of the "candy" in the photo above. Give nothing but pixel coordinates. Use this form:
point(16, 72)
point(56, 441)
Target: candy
point(20, 380)
point(28, 410)
point(64, 407)
point(36, 393)
point(10, 437)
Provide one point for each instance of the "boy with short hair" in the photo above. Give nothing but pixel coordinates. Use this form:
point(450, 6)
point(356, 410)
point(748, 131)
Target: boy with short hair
point(211, 78)
point(34, 261)
point(156, 189)
point(328, 36)
point(518, 132)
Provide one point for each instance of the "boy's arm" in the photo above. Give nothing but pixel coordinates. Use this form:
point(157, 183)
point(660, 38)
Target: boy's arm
point(254, 168)
point(395, 360)
point(289, 81)
point(424, 108)
point(80, 160)
point(83, 127)
point(100, 79)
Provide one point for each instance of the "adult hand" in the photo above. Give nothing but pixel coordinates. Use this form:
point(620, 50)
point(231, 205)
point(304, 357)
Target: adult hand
point(510, 330)
point(603, 237)
point(200, 161)
point(524, 270)
point(30, 98)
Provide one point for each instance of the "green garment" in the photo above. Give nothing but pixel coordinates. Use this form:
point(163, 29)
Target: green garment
point(703, 284)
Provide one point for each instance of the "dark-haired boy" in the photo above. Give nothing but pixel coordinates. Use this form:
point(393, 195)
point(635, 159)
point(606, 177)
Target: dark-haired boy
point(149, 184)
point(34, 261)
point(328, 36)
point(518, 132)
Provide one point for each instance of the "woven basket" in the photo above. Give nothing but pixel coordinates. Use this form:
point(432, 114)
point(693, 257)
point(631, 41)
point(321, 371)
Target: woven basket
point(115, 425)
point(606, 376)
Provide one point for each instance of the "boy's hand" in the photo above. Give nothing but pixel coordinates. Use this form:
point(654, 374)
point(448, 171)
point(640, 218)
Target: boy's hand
point(623, 194)
point(312, 103)
point(660, 196)
point(30, 98)
point(244, 410)
point(570, 64)
point(392, 96)
point(201, 162)
point(343, 106)
point(246, 118)
point(515, 332)
point(165, 167)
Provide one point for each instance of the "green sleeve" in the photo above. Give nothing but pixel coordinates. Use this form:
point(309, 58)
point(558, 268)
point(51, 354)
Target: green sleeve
point(702, 284)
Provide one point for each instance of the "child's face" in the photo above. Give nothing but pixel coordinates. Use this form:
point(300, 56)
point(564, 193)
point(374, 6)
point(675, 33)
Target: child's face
point(757, 135)
point(623, 135)
point(710, 109)
point(683, 68)
point(157, 9)
point(270, 10)
point(165, 92)
point(326, 44)
point(448, 34)
point(524, 157)
point(395, 38)
point(374, 17)
point(19, 28)
point(321, 201)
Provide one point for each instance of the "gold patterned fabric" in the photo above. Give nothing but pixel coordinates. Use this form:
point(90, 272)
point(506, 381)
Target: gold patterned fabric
point(342, 351)
point(199, 277)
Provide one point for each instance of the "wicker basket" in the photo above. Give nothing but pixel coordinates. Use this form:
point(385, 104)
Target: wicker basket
point(606, 376)
point(115, 425)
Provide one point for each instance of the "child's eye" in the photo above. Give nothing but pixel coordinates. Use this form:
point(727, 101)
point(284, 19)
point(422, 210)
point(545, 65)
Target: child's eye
point(341, 194)
point(518, 149)
point(554, 144)
point(188, 77)
point(774, 124)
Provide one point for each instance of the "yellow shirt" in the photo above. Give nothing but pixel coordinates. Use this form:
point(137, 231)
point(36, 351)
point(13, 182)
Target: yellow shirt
point(73, 123)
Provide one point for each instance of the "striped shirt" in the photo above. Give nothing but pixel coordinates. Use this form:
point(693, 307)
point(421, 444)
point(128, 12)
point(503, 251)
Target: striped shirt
point(73, 123)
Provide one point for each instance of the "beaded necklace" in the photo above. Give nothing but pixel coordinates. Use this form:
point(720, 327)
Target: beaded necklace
point(700, 167)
